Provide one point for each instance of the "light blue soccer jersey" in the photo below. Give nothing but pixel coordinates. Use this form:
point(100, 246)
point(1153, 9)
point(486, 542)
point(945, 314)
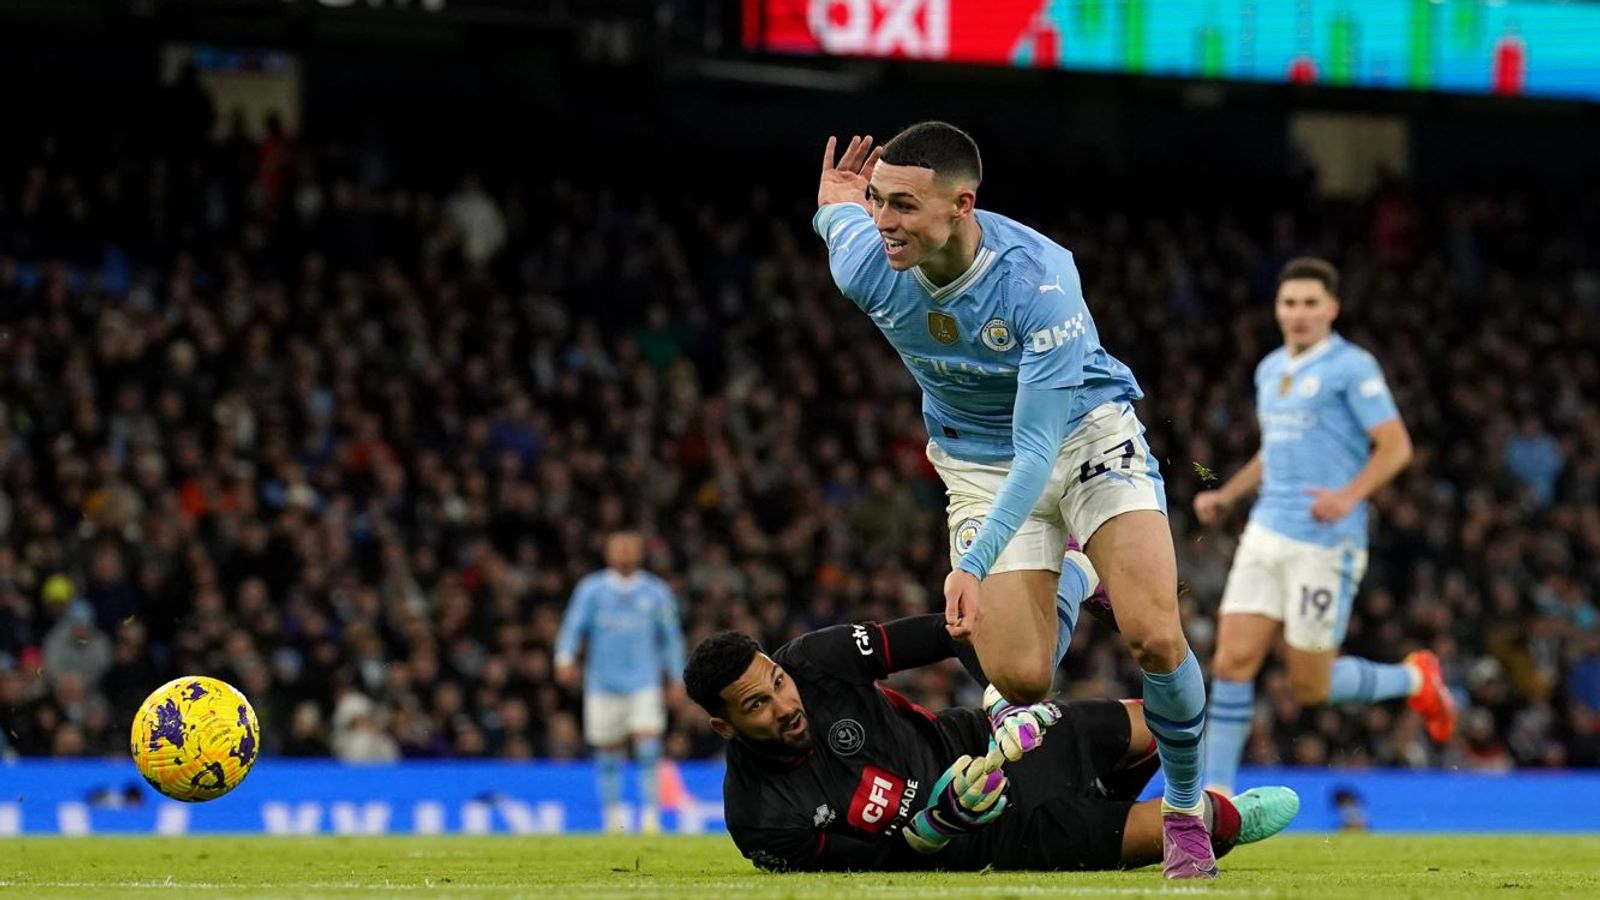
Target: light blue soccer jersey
point(1315, 411)
point(630, 627)
point(1016, 316)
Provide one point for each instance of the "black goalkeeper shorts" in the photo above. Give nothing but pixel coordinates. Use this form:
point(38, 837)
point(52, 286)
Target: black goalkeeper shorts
point(1058, 817)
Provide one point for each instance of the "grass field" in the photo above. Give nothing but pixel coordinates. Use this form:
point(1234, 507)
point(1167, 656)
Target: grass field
point(1365, 867)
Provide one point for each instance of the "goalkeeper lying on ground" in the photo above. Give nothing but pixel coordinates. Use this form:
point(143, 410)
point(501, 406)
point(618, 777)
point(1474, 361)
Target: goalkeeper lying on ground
point(829, 770)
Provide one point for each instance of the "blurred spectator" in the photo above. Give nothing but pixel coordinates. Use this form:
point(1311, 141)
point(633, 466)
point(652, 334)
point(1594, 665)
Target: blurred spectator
point(351, 442)
point(357, 735)
point(477, 221)
point(75, 649)
point(1534, 457)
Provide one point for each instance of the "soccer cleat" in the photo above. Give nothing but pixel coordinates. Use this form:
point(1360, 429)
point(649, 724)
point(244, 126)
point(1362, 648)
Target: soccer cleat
point(1098, 603)
point(649, 822)
point(1265, 811)
point(1186, 850)
point(1432, 701)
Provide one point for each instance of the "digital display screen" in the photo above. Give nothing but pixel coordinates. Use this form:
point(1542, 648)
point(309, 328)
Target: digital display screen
point(1534, 47)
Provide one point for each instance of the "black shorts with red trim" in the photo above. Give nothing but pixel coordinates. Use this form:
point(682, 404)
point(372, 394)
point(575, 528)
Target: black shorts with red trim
point(1058, 816)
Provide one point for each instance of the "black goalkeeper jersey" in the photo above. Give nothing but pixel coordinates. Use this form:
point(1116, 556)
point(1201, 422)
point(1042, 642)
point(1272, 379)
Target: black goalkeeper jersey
point(874, 755)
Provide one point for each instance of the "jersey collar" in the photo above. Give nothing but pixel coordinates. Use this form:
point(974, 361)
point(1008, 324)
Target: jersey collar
point(941, 295)
point(1293, 364)
point(622, 582)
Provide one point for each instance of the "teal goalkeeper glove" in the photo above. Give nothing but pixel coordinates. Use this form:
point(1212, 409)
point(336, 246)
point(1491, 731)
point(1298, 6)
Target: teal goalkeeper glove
point(1017, 729)
point(970, 794)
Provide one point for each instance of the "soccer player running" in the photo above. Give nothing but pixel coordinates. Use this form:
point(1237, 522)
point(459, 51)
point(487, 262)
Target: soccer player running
point(1032, 432)
point(628, 620)
point(827, 770)
point(1330, 436)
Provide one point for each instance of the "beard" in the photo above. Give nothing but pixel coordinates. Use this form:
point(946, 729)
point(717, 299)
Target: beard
point(777, 746)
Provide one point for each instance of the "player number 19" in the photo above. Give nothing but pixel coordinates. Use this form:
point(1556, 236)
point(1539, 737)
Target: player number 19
point(1321, 598)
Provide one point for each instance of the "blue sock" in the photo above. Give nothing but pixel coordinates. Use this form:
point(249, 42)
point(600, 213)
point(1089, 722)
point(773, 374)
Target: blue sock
point(1227, 729)
point(1175, 710)
point(608, 770)
point(1357, 680)
point(1070, 591)
point(647, 754)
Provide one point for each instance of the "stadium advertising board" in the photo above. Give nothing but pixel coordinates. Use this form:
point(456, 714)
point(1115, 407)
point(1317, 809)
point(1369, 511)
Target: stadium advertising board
point(483, 797)
point(1513, 47)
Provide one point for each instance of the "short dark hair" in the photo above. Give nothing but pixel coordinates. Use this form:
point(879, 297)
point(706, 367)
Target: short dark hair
point(939, 146)
point(717, 662)
point(1311, 267)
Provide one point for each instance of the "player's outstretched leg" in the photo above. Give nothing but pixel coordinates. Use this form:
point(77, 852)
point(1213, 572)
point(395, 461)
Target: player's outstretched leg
point(1265, 811)
point(1243, 641)
point(1133, 554)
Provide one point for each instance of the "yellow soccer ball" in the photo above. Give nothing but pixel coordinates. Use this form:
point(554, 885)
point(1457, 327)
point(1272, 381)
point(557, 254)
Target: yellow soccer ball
point(195, 738)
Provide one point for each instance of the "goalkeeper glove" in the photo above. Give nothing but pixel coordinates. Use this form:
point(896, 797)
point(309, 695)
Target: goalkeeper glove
point(968, 795)
point(1017, 729)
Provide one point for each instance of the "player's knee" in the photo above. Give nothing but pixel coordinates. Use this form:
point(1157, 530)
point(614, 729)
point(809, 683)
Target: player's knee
point(1309, 691)
point(1162, 650)
point(1231, 665)
point(1023, 683)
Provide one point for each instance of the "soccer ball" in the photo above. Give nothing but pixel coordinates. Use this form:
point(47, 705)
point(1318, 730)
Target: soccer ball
point(195, 738)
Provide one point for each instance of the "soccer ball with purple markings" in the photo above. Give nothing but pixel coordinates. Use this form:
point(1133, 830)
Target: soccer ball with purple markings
point(195, 738)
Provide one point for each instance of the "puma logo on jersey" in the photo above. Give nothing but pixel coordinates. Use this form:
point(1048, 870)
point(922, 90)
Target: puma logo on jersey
point(1047, 288)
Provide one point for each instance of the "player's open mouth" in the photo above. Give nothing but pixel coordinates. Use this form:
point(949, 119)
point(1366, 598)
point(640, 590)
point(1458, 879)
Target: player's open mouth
point(795, 728)
point(892, 246)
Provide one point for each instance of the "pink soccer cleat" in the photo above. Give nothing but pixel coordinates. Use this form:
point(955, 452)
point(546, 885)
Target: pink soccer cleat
point(1186, 850)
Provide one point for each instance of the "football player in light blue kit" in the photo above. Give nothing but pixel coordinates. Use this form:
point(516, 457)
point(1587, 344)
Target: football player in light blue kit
point(1330, 436)
point(1032, 432)
point(628, 620)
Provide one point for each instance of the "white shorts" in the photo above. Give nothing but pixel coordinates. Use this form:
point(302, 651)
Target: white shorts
point(1104, 469)
point(1307, 587)
point(612, 718)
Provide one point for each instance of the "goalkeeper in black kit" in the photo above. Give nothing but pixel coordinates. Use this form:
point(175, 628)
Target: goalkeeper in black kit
point(829, 770)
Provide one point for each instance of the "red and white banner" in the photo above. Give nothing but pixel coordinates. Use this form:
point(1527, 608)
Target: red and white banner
point(979, 31)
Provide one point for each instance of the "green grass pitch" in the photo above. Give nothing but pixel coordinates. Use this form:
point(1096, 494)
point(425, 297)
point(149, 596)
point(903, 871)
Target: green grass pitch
point(1368, 867)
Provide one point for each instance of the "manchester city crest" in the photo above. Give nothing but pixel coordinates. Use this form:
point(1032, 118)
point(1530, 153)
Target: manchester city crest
point(965, 533)
point(943, 328)
point(997, 336)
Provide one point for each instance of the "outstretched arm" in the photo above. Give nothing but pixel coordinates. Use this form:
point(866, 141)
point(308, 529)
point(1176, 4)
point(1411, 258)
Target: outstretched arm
point(868, 651)
point(1040, 425)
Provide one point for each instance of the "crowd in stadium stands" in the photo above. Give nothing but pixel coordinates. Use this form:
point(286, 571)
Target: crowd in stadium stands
point(269, 415)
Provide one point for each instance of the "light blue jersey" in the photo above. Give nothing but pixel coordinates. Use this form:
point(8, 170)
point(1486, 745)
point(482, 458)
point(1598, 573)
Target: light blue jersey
point(1016, 316)
point(630, 627)
point(1007, 355)
point(1315, 411)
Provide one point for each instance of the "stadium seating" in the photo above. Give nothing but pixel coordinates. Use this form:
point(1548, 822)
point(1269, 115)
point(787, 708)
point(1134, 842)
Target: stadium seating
point(348, 443)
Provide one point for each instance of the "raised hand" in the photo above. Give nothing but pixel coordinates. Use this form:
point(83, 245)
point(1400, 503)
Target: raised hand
point(846, 181)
